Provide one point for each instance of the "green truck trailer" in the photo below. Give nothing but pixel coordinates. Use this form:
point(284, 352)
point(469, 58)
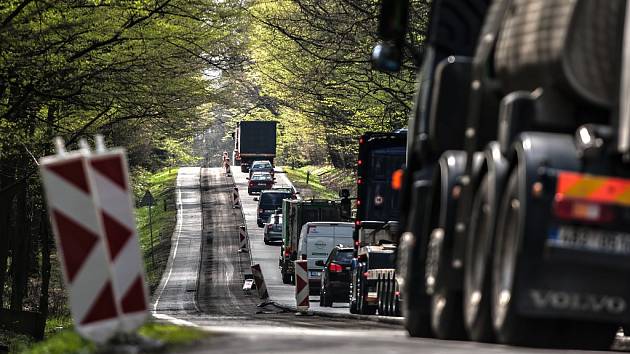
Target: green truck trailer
point(296, 213)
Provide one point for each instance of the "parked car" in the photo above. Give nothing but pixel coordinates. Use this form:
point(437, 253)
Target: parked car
point(336, 276)
point(273, 229)
point(259, 181)
point(317, 239)
point(261, 166)
point(269, 201)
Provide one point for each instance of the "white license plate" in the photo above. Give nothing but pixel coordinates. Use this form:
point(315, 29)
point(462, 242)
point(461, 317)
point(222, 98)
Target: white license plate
point(314, 274)
point(591, 239)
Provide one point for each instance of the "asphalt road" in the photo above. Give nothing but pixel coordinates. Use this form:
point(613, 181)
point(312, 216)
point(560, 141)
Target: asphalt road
point(202, 284)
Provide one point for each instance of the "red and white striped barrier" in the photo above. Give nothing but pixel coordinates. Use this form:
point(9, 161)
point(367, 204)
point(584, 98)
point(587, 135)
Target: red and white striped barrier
point(259, 279)
point(236, 199)
point(301, 286)
point(77, 225)
point(111, 180)
point(242, 237)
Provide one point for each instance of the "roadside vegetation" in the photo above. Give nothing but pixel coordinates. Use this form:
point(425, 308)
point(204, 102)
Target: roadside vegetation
point(155, 240)
point(69, 342)
point(323, 181)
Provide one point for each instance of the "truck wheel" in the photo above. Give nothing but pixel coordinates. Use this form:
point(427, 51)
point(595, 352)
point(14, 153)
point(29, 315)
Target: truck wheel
point(416, 305)
point(380, 293)
point(510, 327)
point(446, 303)
point(477, 316)
point(286, 278)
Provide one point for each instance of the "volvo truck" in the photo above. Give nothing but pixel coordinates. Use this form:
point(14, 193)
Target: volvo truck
point(514, 210)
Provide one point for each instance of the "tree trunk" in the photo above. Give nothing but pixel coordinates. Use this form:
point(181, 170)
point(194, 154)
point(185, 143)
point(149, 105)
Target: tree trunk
point(44, 234)
point(19, 261)
point(5, 224)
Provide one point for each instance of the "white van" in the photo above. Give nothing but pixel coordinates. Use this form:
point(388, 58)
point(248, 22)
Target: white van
point(317, 239)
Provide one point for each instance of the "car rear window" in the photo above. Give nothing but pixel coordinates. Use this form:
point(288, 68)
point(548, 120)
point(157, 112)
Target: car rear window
point(261, 165)
point(273, 199)
point(261, 178)
point(344, 257)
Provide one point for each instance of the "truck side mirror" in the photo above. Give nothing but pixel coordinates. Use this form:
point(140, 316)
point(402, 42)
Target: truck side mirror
point(320, 263)
point(392, 28)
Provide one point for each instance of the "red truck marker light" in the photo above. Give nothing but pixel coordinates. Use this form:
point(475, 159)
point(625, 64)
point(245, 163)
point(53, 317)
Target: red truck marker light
point(397, 179)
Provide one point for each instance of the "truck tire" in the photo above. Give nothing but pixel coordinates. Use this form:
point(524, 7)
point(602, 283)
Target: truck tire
point(477, 292)
point(353, 307)
point(380, 293)
point(510, 327)
point(286, 278)
point(416, 305)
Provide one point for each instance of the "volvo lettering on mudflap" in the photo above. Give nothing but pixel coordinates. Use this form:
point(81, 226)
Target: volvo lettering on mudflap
point(577, 302)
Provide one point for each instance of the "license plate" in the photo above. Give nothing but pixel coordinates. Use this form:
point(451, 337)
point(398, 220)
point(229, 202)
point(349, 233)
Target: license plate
point(591, 239)
point(314, 274)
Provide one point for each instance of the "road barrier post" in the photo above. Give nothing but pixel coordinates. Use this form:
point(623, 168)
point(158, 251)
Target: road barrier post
point(301, 286)
point(259, 279)
point(79, 234)
point(236, 199)
point(242, 236)
point(89, 201)
point(114, 192)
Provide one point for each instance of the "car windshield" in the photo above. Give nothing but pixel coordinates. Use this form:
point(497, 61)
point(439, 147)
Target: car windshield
point(273, 199)
point(343, 256)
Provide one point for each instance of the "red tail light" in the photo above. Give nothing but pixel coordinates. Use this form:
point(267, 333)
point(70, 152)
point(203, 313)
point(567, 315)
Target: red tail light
point(366, 274)
point(357, 222)
point(269, 226)
point(361, 140)
point(360, 162)
point(359, 180)
point(251, 184)
point(335, 268)
point(358, 202)
point(576, 209)
point(287, 253)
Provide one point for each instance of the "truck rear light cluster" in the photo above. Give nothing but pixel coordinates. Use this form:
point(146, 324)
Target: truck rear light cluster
point(357, 222)
point(358, 201)
point(583, 210)
point(335, 268)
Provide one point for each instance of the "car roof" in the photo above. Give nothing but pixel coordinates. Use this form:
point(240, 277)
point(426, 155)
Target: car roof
point(336, 223)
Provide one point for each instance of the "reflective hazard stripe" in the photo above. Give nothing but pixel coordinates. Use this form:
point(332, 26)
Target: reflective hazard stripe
point(593, 188)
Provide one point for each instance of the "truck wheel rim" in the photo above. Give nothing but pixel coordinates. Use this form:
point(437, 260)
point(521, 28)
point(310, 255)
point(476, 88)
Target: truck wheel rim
point(504, 279)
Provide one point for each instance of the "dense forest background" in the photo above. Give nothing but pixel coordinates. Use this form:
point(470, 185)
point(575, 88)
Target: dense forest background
point(159, 76)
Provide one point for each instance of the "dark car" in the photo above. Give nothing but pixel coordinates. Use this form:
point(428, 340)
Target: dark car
point(273, 229)
point(261, 166)
point(287, 188)
point(336, 276)
point(268, 202)
point(258, 182)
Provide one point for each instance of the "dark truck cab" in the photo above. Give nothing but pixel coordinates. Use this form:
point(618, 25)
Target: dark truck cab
point(378, 213)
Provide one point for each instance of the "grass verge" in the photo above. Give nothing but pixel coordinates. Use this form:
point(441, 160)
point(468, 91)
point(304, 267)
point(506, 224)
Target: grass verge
point(155, 239)
point(323, 181)
point(69, 342)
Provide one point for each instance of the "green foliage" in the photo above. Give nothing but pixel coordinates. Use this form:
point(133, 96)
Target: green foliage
point(311, 70)
point(161, 185)
point(172, 334)
point(16, 342)
point(69, 342)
